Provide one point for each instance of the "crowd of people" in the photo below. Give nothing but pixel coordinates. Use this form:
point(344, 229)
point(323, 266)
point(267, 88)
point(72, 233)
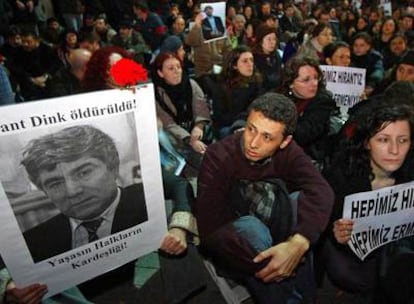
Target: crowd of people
point(241, 99)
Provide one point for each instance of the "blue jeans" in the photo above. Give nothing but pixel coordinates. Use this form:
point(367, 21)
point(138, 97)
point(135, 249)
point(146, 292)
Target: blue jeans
point(255, 231)
point(293, 290)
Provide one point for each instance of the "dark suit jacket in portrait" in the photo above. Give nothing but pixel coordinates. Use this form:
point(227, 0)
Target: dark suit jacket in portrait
point(54, 236)
point(208, 29)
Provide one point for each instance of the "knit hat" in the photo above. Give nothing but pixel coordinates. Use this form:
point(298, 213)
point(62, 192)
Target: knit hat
point(408, 58)
point(264, 30)
point(171, 44)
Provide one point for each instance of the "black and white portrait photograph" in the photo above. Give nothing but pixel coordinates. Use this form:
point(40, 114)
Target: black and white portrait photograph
point(214, 22)
point(75, 172)
point(80, 184)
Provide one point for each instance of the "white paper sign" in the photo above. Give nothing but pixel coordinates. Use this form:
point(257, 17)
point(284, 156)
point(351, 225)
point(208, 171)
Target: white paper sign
point(347, 84)
point(128, 119)
point(380, 217)
point(387, 7)
point(219, 14)
point(357, 4)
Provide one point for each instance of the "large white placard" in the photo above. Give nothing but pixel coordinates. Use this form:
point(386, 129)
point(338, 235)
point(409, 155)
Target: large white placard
point(380, 217)
point(128, 118)
point(347, 84)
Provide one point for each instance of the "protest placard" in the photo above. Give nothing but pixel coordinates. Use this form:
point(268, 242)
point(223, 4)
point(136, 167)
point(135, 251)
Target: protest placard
point(71, 162)
point(214, 21)
point(356, 4)
point(380, 217)
point(347, 84)
point(386, 6)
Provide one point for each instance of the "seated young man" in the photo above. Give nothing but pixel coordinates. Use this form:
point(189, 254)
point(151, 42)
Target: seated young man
point(243, 233)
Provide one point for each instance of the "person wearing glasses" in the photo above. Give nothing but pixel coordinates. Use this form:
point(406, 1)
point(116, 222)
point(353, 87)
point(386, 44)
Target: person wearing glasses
point(302, 82)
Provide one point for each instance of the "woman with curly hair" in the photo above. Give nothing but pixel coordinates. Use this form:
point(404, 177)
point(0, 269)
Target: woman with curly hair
point(233, 90)
point(375, 153)
point(303, 82)
point(97, 75)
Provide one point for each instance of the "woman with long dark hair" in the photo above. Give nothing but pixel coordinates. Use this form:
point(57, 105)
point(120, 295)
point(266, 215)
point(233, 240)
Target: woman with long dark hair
point(233, 89)
point(387, 30)
point(97, 75)
point(375, 153)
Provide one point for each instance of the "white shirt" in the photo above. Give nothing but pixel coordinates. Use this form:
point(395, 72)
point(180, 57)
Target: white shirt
point(213, 24)
point(80, 235)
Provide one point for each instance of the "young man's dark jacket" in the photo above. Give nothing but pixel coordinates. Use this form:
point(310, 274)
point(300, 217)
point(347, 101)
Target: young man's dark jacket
point(223, 164)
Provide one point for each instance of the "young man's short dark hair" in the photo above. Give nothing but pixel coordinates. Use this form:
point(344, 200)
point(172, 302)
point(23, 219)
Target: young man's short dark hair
point(277, 107)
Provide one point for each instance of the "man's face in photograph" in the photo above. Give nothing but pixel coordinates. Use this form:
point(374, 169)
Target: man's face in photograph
point(209, 11)
point(266, 9)
point(80, 189)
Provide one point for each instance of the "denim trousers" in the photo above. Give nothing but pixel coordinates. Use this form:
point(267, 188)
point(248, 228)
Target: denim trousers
point(297, 289)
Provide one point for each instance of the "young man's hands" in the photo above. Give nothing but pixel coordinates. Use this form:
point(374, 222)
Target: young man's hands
point(284, 258)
